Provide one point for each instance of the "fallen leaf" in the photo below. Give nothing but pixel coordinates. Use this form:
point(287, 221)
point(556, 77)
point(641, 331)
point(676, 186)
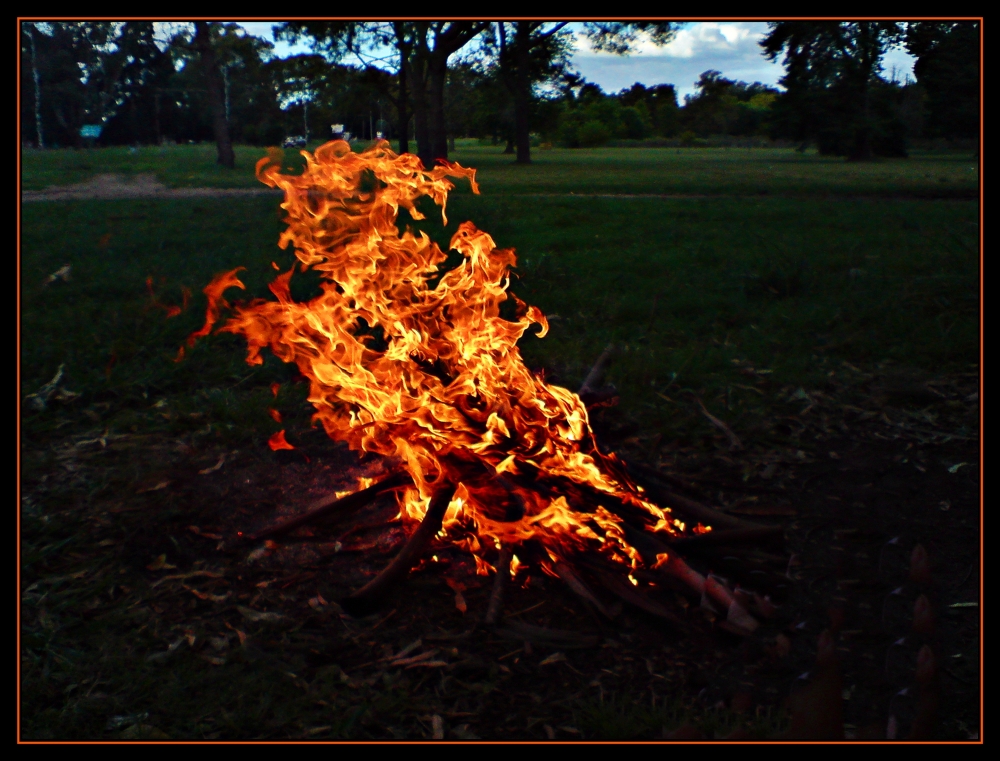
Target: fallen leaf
point(415, 659)
point(214, 660)
point(460, 603)
point(189, 575)
point(554, 658)
point(206, 596)
point(437, 726)
point(954, 468)
point(157, 487)
point(242, 635)
point(160, 564)
point(258, 615)
point(462, 732)
point(217, 466)
point(62, 273)
point(144, 732)
point(124, 720)
point(205, 534)
point(428, 664)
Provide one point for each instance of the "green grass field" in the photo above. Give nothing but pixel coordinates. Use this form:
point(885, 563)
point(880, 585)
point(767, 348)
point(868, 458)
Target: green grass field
point(697, 171)
point(776, 276)
point(694, 289)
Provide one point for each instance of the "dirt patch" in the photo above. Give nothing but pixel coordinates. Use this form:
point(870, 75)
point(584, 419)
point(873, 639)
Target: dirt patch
point(122, 187)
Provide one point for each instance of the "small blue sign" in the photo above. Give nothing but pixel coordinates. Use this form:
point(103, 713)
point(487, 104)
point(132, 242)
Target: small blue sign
point(90, 130)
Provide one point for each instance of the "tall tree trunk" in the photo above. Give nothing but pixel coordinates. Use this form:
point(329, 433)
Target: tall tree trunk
point(438, 71)
point(421, 129)
point(216, 96)
point(39, 140)
point(522, 92)
point(401, 104)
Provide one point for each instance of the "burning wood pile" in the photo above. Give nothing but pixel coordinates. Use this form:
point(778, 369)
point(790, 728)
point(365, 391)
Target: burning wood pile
point(413, 361)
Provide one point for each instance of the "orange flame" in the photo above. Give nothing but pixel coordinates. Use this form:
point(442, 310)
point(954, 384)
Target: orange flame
point(277, 441)
point(414, 362)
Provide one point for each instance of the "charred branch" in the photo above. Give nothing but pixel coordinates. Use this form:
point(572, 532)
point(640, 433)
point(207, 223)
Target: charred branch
point(689, 508)
point(370, 596)
point(500, 583)
point(331, 504)
point(575, 583)
point(634, 596)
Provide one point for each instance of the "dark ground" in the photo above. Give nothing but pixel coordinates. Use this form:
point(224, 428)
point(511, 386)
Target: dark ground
point(142, 618)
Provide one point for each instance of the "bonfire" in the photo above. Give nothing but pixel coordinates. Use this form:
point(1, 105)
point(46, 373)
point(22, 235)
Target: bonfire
point(415, 362)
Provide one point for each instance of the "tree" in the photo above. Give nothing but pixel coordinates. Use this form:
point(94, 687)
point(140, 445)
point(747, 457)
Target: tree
point(536, 50)
point(216, 93)
point(422, 50)
point(947, 68)
point(78, 66)
point(29, 28)
point(831, 69)
point(724, 106)
point(532, 51)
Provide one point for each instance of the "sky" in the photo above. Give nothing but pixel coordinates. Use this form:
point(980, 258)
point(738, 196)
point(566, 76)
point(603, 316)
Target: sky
point(726, 46)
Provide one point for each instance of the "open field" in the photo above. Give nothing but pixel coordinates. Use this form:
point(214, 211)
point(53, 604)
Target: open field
point(699, 171)
point(827, 312)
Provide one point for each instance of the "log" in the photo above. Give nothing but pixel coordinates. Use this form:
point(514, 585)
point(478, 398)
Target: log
point(710, 588)
point(330, 504)
point(499, 585)
point(575, 583)
point(371, 595)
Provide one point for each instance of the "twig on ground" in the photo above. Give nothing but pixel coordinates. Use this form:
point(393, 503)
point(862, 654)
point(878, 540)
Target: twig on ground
point(330, 504)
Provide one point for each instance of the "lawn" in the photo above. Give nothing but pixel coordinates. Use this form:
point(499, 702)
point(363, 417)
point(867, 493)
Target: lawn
point(694, 289)
point(797, 298)
point(694, 171)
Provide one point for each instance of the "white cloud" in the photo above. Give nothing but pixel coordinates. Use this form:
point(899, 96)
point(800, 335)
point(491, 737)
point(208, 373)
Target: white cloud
point(729, 47)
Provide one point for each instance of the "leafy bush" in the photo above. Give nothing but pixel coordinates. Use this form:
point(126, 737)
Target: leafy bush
point(593, 133)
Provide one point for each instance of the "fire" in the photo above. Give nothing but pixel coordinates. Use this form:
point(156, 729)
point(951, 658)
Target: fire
point(414, 362)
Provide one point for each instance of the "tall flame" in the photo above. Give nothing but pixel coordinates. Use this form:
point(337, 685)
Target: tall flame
point(413, 362)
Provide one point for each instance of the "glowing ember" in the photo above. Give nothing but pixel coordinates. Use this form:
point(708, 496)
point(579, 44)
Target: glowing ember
point(415, 363)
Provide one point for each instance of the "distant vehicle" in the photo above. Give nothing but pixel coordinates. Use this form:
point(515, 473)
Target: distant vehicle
point(296, 141)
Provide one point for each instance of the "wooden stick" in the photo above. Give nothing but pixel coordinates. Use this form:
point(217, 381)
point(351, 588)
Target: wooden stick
point(677, 569)
point(331, 504)
point(499, 585)
point(751, 535)
point(371, 594)
point(696, 511)
point(592, 384)
point(633, 596)
point(574, 582)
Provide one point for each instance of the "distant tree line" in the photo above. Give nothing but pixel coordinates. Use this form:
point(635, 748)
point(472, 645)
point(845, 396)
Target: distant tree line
point(423, 83)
